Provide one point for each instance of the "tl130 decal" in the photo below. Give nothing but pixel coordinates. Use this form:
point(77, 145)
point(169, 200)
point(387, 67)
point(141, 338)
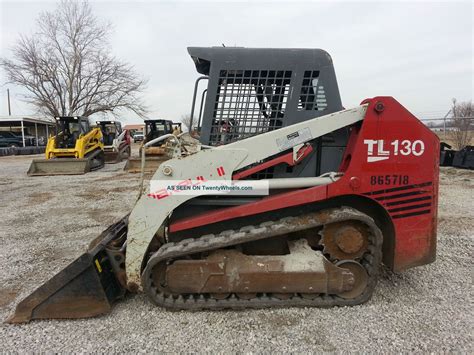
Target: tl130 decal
point(379, 149)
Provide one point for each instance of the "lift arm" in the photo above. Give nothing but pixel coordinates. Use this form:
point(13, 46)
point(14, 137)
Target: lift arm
point(270, 143)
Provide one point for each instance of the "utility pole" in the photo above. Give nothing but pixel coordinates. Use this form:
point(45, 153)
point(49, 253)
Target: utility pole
point(8, 98)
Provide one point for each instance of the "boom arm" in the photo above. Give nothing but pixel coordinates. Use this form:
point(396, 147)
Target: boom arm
point(273, 142)
point(118, 140)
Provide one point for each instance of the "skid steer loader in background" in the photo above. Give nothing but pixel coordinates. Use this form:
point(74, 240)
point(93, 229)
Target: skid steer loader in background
point(76, 148)
point(156, 153)
point(117, 142)
point(348, 190)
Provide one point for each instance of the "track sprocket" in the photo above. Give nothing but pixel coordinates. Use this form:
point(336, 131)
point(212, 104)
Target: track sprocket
point(344, 240)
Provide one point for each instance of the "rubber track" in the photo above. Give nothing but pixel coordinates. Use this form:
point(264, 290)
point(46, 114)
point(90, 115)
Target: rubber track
point(92, 155)
point(371, 262)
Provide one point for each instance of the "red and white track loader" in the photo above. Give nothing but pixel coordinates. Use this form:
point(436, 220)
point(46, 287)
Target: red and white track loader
point(117, 141)
point(349, 189)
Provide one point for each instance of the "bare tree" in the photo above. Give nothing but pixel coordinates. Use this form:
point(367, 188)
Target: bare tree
point(67, 69)
point(186, 121)
point(462, 122)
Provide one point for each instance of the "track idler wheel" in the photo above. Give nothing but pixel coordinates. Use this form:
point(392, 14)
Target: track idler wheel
point(361, 278)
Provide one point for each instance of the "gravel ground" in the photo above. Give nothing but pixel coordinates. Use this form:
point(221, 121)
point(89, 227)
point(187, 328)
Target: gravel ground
point(48, 221)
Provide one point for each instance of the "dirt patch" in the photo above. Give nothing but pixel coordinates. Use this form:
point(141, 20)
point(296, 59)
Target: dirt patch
point(98, 193)
point(100, 215)
point(120, 176)
point(37, 198)
point(74, 228)
point(50, 255)
point(126, 188)
point(64, 211)
point(7, 296)
point(461, 173)
point(6, 182)
point(91, 193)
point(319, 341)
point(280, 320)
point(22, 186)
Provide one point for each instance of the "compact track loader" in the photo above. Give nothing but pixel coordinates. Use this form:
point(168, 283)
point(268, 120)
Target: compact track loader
point(348, 190)
point(155, 153)
point(117, 141)
point(76, 148)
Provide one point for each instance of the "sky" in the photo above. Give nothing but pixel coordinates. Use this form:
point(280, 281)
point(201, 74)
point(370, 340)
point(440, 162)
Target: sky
point(419, 52)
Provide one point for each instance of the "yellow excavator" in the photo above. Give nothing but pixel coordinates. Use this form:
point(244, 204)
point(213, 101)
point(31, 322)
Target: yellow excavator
point(75, 149)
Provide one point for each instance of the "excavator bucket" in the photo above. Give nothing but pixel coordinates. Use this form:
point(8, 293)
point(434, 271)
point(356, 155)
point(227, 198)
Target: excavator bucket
point(133, 165)
point(85, 288)
point(63, 166)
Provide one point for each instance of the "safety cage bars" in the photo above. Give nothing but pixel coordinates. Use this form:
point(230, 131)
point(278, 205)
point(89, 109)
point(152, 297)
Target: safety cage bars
point(248, 102)
point(251, 102)
point(312, 94)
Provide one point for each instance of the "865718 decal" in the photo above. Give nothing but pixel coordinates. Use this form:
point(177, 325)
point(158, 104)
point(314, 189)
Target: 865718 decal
point(388, 180)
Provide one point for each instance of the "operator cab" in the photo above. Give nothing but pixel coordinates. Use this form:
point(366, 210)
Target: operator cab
point(69, 129)
point(110, 130)
point(157, 128)
point(251, 91)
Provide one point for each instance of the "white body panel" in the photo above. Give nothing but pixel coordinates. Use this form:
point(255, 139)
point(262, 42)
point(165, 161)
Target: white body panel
point(118, 141)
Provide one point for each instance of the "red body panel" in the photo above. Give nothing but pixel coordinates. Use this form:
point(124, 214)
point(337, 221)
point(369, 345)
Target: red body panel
point(284, 159)
point(128, 139)
point(391, 159)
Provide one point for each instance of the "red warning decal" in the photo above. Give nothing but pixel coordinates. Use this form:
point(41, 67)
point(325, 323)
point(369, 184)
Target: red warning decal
point(220, 171)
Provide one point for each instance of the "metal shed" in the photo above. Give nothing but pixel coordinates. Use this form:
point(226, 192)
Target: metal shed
point(38, 127)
